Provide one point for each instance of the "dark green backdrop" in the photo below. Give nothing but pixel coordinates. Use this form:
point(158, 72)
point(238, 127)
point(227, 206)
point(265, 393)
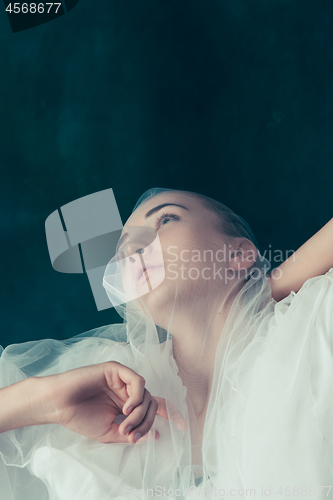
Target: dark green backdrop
point(230, 98)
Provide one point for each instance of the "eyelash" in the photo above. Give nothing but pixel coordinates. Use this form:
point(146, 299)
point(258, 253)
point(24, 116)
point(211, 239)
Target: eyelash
point(165, 216)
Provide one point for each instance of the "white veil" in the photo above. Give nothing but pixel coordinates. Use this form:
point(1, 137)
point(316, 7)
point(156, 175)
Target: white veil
point(248, 407)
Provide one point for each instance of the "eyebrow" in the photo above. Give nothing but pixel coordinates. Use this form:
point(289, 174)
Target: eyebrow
point(155, 209)
point(148, 214)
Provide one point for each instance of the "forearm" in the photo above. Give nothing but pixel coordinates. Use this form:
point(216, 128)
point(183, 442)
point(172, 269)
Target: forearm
point(313, 258)
point(24, 403)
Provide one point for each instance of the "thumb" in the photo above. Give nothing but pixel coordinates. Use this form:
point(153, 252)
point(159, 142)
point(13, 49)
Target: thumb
point(172, 412)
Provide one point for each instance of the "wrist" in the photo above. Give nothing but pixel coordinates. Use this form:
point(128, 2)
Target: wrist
point(45, 389)
point(24, 403)
point(36, 403)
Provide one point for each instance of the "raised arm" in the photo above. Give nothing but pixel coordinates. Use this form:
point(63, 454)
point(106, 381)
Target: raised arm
point(313, 258)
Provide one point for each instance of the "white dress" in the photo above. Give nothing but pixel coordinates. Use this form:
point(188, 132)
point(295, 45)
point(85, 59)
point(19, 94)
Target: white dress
point(272, 436)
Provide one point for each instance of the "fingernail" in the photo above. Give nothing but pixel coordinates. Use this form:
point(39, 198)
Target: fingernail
point(128, 429)
point(137, 436)
point(129, 409)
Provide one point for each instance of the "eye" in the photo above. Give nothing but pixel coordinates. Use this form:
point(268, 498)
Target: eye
point(165, 218)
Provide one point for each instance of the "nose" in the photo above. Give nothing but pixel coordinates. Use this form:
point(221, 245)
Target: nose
point(135, 253)
point(137, 246)
point(134, 250)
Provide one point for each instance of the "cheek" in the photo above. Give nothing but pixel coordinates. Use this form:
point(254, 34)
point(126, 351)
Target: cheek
point(196, 258)
point(186, 249)
point(179, 241)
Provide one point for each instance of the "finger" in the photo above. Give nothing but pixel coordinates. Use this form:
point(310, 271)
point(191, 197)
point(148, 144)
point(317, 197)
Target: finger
point(175, 415)
point(117, 375)
point(113, 436)
point(137, 415)
point(136, 392)
point(144, 427)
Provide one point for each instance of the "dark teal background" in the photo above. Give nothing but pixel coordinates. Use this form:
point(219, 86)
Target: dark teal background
point(232, 99)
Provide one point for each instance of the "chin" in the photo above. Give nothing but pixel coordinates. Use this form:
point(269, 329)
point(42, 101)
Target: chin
point(160, 301)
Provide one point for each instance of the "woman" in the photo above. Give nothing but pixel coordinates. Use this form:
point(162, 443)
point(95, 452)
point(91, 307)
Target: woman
point(243, 382)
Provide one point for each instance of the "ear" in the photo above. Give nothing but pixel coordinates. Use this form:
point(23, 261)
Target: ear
point(243, 255)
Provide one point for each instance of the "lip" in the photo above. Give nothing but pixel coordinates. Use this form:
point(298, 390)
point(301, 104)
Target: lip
point(144, 276)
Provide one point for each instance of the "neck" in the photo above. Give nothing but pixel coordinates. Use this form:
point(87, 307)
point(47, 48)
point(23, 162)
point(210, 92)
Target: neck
point(196, 332)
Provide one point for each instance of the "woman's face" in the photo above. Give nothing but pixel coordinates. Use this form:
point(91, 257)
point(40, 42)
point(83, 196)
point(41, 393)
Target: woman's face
point(195, 254)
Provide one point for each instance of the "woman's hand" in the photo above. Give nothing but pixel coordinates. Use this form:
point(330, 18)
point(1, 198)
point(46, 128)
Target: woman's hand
point(87, 401)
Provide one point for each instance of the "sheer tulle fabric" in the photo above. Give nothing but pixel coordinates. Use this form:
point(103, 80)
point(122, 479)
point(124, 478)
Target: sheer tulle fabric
point(268, 422)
